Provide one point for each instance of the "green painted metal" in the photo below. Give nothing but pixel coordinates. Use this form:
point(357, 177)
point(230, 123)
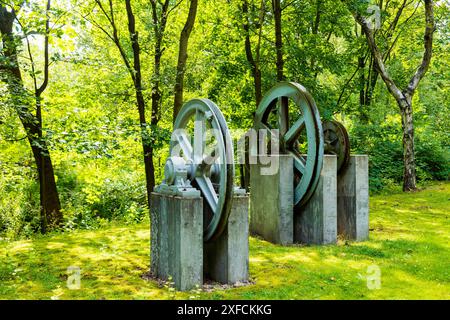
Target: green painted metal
point(307, 167)
point(337, 142)
point(214, 180)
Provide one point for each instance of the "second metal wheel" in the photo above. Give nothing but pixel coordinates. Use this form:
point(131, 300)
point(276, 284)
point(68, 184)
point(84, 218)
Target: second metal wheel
point(302, 137)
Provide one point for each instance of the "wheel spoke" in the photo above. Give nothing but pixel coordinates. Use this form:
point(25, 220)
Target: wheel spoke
point(326, 136)
point(208, 192)
point(334, 140)
point(299, 162)
point(294, 131)
point(184, 143)
point(199, 132)
point(211, 158)
point(283, 115)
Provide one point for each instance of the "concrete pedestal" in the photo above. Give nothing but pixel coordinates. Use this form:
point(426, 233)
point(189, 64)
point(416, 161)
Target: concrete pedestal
point(316, 222)
point(353, 199)
point(271, 202)
point(177, 239)
point(226, 259)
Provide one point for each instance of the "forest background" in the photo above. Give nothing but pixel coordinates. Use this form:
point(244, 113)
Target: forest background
point(90, 88)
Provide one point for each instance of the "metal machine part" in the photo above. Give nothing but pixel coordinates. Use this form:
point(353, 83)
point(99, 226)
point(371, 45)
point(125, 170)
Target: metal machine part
point(201, 153)
point(300, 133)
point(337, 142)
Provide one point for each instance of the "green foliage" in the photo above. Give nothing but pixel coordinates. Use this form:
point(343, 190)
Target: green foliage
point(91, 199)
point(382, 142)
point(19, 208)
point(91, 124)
point(433, 160)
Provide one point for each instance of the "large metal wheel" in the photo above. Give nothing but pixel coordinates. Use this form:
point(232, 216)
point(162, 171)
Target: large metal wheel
point(300, 131)
point(337, 142)
point(205, 144)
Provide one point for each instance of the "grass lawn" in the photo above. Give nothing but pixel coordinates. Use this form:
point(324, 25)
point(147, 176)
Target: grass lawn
point(409, 243)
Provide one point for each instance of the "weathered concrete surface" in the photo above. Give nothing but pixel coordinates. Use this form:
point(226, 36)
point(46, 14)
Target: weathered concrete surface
point(177, 240)
point(159, 233)
point(272, 202)
point(226, 259)
point(316, 222)
point(353, 199)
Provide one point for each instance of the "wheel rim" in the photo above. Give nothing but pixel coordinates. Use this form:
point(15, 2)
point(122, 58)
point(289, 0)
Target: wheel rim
point(217, 187)
point(337, 142)
point(307, 167)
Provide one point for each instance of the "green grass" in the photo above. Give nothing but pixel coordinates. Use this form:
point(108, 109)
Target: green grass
point(409, 242)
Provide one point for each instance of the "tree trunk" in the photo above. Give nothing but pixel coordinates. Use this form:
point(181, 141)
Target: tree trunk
point(51, 216)
point(371, 83)
point(50, 206)
point(403, 97)
point(182, 57)
point(254, 63)
point(140, 102)
point(409, 170)
point(159, 27)
point(146, 146)
point(149, 170)
point(315, 31)
point(257, 80)
point(362, 82)
point(156, 91)
point(278, 39)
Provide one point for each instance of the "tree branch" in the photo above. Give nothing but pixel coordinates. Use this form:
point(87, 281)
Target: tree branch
point(428, 44)
point(392, 87)
point(46, 59)
point(115, 37)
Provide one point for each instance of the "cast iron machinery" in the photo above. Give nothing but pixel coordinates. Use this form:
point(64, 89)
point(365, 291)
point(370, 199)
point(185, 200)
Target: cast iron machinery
point(289, 108)
point(337, 142)
point(201, 153)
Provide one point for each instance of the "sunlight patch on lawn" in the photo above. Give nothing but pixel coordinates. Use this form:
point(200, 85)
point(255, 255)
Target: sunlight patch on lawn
point(409, 241)
point(21, 246)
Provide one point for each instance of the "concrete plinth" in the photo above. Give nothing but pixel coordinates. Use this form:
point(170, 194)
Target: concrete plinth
point(353, 199)
point(226, 258)
point(177, 239)
point(316, 222)
point(159, 237)
point(271, 202)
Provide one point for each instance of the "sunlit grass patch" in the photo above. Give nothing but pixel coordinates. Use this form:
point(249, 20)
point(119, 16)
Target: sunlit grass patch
point(409, 243)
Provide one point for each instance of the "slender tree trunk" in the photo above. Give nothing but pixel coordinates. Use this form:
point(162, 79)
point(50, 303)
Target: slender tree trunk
point(254, 62)
point(182, 57)
point(146, 146)
point(50, 206)
point(409, 169)
point(371, 82)
point(315, 31)
point(403, 97)
point(278, 39)
point(51, 216)
point(134, 69)
point(159, 26)
point(156, 91)
point(362, 81)
point(140, 102)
